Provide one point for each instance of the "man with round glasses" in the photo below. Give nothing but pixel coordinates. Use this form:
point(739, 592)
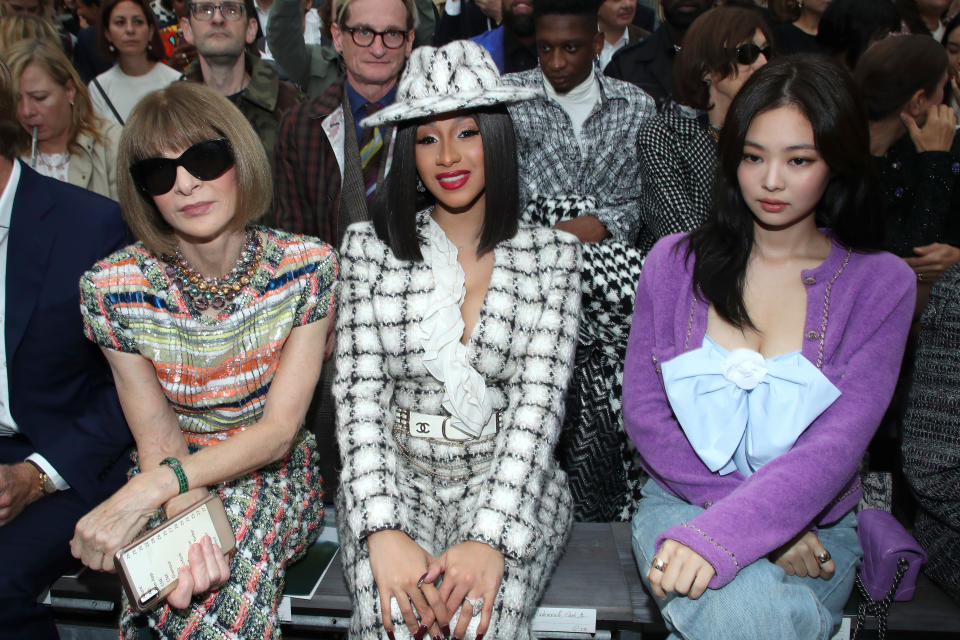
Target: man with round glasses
point(221, 31)
point(326, 167)
point(314, 67)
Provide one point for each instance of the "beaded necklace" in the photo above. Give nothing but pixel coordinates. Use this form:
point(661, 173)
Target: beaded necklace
point(204, 292)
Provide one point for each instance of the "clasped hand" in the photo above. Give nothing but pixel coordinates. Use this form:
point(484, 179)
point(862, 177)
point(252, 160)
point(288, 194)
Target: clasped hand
point(406, 571)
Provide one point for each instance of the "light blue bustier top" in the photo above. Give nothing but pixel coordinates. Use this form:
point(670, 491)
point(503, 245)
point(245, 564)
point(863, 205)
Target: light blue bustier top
point(740, 411)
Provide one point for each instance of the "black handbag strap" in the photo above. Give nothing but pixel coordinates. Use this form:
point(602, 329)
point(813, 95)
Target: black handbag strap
point(103, 93)
point(878, 608)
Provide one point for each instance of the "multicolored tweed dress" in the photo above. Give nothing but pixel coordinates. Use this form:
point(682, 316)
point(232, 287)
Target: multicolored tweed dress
point(216, 371)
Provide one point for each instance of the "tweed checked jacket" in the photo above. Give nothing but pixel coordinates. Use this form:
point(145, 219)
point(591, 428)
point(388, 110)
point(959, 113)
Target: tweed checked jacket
point(523, 346)
point(931, 433)
point(552, 163)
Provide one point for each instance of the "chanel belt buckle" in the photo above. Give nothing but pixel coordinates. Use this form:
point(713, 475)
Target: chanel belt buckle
point(447, 423)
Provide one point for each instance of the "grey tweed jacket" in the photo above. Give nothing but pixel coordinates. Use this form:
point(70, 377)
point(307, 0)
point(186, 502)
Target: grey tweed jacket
point(607, 169)
point(522, 344)
point(931, 438)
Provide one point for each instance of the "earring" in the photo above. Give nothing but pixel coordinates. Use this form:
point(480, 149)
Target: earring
point(149, 47)
point(111, 48)
point(706, 80)
point(420, 187)
point(800, 4)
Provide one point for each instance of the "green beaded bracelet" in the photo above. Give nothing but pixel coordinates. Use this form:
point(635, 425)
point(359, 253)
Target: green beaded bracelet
point(174, 464)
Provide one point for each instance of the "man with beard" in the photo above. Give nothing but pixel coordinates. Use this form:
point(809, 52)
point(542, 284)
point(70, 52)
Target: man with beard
point(649, 63)
point(511, 44)
point(221, 33)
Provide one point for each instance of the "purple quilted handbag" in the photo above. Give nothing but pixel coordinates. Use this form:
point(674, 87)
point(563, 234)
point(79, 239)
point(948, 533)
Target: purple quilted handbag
point(885, 542)
point(891, 564)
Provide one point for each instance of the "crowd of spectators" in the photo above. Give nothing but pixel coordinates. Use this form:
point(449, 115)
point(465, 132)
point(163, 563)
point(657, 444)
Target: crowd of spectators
point(630, 127)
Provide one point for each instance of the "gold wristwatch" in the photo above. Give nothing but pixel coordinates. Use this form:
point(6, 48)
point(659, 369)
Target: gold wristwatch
point(46, 482)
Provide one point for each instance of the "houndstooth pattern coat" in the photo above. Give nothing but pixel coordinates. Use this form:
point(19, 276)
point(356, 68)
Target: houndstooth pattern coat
point(505, 490)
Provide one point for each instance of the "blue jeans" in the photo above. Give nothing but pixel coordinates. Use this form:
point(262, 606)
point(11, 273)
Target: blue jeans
point(762, 602)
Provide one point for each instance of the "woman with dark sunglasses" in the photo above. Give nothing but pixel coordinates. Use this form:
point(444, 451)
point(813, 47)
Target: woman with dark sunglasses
point(215, 332)
point(678, 146)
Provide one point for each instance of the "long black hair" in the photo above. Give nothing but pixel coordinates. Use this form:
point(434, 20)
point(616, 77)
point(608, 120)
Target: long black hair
point(395, 205)
point(825, 93)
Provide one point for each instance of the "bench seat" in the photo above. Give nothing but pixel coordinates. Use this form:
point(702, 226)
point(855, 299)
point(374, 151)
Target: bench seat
point(596, 572)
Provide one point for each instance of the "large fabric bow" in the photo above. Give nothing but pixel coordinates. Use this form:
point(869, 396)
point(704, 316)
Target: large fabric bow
point(740, 411)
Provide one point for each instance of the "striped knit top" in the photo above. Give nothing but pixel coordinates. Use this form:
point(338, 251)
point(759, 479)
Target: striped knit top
point(214, 370)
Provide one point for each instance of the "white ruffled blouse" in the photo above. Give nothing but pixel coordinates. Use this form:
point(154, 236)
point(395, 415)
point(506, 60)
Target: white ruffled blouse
point(445, 357)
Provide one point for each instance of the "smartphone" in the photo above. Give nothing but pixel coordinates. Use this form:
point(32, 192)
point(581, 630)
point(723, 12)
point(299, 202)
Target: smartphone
point(149, 565)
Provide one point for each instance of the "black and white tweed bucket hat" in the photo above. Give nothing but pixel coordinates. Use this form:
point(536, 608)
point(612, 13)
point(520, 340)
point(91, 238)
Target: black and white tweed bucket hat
point(459, 76)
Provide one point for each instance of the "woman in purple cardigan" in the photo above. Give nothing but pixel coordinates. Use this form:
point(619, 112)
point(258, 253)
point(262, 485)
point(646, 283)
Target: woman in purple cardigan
point(764, 350)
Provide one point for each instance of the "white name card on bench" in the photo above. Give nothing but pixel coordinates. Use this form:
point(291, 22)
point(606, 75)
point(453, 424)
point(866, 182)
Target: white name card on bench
point(562, 619)
point(843, 633)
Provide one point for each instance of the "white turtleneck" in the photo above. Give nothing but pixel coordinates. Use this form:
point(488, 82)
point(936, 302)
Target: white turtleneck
point(578, 102)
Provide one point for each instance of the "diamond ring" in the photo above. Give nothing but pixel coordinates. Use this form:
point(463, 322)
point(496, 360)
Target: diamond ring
point(477, 604)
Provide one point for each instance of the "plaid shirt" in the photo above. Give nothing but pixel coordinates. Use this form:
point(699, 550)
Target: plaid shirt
point(607, 168)
point(306, 172)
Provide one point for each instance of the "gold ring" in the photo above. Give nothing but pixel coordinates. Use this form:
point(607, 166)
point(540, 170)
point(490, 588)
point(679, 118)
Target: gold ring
point(824, 557)
point(920, 277)
point(659, 565)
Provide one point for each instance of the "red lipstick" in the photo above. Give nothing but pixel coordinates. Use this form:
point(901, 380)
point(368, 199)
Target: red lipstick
point(452, 180)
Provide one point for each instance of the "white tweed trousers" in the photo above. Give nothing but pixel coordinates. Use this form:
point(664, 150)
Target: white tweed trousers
point(439, 484)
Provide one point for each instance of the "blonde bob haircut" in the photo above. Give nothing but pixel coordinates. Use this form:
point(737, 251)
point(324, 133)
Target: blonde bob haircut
point(51, 58)
point(170, 121)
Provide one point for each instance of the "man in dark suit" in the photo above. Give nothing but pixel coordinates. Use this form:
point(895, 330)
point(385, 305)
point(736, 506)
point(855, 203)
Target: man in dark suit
point(649, 63)
point(63, 438)
point(464, 19)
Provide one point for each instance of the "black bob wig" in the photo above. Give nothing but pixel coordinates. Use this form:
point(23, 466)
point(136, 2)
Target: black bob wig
point(397, 201)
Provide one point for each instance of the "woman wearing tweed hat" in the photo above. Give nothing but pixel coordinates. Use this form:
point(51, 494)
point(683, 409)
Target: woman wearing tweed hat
point(455, 343)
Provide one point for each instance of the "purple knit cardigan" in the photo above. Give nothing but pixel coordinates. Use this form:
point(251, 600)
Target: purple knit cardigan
point(859, 307)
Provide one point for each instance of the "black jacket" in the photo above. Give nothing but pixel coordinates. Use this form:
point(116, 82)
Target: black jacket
point(647, 64)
